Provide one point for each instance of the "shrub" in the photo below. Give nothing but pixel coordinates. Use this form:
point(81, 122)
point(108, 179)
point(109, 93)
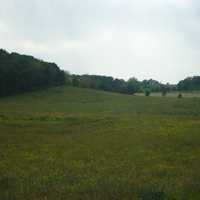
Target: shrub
point(180, 95)
point(147, 93)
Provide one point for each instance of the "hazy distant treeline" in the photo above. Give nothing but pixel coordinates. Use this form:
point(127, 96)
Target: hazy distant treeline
point(20, 73)
point(108, 83)
point(132, 85)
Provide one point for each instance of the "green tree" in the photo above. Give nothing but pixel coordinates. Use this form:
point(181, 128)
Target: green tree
point(133, 86)
point(75, 81)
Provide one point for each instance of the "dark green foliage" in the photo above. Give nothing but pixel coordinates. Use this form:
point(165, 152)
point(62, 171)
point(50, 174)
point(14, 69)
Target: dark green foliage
point(152, 85)
point(21, 73)
point(68, 78)
point(105, 83)
point(180, 95)
point(133, 86)
point(147, 93)
point(75, 81)
point(190, 83)
point(108, 83)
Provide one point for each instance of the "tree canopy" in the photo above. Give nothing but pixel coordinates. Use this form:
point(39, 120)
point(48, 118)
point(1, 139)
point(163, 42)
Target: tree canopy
point(21, 73)
point(190, 83)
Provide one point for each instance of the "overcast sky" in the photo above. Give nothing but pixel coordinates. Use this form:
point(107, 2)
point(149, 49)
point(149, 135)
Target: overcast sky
point(157, 39)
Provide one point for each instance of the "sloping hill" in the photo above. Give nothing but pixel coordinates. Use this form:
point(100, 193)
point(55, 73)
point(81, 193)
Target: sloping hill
point(72, 143)
point(67, 99)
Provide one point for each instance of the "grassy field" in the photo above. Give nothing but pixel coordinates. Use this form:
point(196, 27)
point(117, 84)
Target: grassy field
point(72, 143)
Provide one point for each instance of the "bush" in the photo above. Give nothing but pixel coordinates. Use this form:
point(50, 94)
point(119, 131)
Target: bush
point(147, 93)
point(180, 95)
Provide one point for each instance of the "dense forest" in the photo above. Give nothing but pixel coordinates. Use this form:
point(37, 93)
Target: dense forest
point(190, 83)
point(21, 73)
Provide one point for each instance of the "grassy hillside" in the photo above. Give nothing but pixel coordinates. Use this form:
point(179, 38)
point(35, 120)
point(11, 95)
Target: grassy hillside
point(72, 143)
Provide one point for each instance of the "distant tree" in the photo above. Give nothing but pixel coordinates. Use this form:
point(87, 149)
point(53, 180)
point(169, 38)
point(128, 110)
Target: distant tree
point(119, 85)
point(190, 83)
point(152, 85)
point(75, 81)
point(68, 78)
point(60, 78)
point(133, 86)
point(87, 81)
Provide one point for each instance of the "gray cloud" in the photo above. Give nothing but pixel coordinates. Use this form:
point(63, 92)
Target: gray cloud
point(143, 38)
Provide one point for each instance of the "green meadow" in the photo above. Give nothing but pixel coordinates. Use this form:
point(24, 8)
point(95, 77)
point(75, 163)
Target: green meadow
point(72, 143)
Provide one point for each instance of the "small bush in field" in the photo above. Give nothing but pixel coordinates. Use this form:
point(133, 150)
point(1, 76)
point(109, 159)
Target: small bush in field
point(147, 93)
point(180, 95)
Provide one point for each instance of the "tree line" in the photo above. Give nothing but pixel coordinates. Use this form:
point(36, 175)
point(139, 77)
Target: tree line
point(189, 84)
point(21, 73)
point(132, 85)
point(108, 83)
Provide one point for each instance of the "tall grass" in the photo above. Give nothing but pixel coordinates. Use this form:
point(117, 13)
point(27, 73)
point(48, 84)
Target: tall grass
point(71, 143)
